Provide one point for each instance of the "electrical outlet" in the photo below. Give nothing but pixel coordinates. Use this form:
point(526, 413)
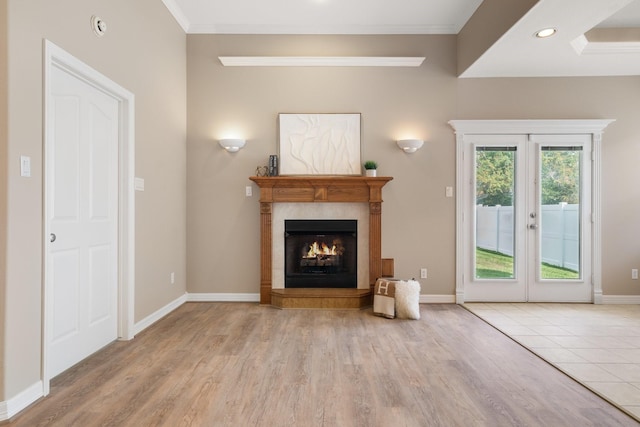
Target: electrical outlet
point(634, 273)
point(448, 192)
point(173, 278)
point(423, 273)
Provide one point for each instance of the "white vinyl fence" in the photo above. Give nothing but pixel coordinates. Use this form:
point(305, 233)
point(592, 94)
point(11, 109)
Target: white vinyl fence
point(559, 224)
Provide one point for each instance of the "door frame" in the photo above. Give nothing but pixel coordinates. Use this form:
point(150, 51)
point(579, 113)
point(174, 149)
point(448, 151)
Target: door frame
point(594, 128)
point(54, 56)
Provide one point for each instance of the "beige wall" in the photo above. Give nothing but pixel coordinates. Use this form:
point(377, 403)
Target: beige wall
point(418, 221)
point(4, 116)
point(223, 224)
point(144, 51)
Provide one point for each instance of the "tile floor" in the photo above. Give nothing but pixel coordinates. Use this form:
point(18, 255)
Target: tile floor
point(597, 345)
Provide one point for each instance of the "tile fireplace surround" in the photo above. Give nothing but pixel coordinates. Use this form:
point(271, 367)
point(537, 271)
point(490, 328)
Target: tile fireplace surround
point(348, 190)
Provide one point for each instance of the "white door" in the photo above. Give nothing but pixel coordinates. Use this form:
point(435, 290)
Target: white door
point(529, 203)
point(82, 210)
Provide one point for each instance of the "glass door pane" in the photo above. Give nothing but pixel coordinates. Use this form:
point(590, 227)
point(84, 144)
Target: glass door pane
point(495, 178)
point(560, 212)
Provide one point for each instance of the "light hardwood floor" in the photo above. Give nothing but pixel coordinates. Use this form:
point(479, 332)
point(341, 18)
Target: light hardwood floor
point(237, 364)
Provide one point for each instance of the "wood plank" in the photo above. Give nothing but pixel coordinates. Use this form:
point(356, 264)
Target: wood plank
point(239, 364)
point(325, 298)
point(388, 267)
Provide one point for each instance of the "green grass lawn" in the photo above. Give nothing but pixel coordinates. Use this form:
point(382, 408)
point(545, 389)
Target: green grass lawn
point(490, 265)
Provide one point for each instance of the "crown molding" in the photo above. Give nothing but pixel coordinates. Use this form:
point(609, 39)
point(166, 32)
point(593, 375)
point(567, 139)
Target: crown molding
point(178, 14)
point(320, 61)
point(583, 46)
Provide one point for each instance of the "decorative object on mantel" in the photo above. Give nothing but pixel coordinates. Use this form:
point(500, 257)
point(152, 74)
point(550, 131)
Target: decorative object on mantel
point(319, 144)
point(262, 171)
point(410, 146)
point(370, 168)
point(232, 145)
point(273, 165)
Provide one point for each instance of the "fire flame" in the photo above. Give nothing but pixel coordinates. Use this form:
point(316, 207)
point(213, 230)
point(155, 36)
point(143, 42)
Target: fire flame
point(321, 249)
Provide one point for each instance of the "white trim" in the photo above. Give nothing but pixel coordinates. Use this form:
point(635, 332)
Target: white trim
point(611, 48)
point(621, 299)
point(223, 297)
point(321, 29)
point(596, 215)
point(56, 56)
point(159, 314)
point(23, 399)
point(178, 14)
point(580, 44)
point(501, 127)
point(583, 46)
point(437, 299)
point(461, 259)
point(320, 61)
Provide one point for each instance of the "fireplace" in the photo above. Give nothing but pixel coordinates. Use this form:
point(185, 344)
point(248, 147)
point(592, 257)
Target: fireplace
point(328, 193)
point(321, 253)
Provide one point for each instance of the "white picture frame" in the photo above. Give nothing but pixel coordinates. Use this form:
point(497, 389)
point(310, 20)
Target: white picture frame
point(319, 144)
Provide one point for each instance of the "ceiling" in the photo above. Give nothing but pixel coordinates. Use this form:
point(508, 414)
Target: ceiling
point(589, 42)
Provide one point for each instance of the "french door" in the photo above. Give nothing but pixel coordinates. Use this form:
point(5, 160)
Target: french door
point(527, 232)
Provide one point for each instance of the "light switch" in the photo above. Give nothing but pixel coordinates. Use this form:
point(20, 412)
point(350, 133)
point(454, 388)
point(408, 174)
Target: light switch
point(248, 191)
point(25, 166)
point(138, 184)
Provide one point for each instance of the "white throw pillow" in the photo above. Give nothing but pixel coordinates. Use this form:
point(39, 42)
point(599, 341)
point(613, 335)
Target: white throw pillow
point(408, 299)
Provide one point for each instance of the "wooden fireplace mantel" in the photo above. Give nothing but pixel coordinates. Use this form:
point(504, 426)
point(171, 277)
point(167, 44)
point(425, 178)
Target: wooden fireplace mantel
point(346, 189)
point(319, 189)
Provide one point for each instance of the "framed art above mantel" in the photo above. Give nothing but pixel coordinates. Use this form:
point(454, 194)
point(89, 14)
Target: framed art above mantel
point(319, 144)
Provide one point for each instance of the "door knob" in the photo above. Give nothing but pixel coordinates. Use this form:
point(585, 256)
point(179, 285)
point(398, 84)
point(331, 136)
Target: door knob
point(533, 226)
point(52, 237)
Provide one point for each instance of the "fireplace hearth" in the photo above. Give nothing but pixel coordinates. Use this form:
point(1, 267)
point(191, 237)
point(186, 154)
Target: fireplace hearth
point(321, 253)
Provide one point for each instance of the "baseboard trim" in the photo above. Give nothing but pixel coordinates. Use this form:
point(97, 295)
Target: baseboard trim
point(221, 297)
point(437, 299)
point(620, 299)
point(159, 314)
point(25, 398)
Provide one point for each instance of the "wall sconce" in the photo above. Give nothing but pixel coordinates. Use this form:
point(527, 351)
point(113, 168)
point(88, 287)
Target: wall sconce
point(410, 145)
point(232, 144)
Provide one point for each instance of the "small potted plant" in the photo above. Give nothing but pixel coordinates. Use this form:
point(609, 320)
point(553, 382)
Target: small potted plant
point(370, 168)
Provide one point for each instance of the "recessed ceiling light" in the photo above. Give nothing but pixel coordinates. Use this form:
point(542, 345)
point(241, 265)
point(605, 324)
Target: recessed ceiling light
point(546, 32)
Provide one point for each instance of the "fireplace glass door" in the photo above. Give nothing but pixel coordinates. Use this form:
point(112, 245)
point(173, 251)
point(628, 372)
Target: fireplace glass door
point(321, 253)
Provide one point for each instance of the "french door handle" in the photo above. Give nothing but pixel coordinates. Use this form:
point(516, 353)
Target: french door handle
point(52, 237)
point(533, 226)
